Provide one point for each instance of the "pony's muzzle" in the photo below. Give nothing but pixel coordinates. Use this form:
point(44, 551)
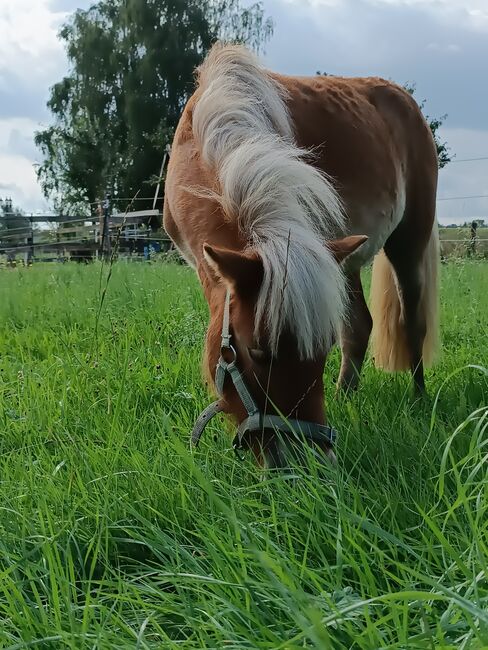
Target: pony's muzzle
point(280, 451)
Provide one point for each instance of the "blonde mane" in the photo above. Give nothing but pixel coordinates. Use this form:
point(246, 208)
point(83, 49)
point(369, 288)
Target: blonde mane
point(286, 208)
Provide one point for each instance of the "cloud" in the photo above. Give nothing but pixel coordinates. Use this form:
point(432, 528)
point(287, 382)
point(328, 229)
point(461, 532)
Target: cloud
point(21, 142)
point(462, 179)
point(472, 14)
point(17, 171)
point(31, 57)
point(29, 36)
point(19, 182)
point(31, 60)
point(444, 47)
point(439, 44)
point(390, 38)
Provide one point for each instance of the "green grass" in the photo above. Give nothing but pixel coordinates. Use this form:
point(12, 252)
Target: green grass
point(112, 535)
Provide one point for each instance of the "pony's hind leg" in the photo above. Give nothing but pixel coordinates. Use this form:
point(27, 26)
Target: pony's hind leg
point(414, 318)
point(415, 277)
point(355, 334)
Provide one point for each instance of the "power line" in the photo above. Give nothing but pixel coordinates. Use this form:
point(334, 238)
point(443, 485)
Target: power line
point(462, 198)
point(460, 160)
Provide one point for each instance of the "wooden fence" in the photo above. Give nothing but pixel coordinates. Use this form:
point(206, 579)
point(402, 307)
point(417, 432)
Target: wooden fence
point(49, 237)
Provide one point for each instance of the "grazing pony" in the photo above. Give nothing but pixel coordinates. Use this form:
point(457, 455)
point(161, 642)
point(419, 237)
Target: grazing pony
point(279, 189)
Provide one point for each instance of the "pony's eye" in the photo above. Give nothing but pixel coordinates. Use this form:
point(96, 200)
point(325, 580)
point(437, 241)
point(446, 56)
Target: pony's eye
point(259, 356)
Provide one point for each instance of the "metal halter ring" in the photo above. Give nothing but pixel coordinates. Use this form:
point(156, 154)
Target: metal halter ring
point(230, 347)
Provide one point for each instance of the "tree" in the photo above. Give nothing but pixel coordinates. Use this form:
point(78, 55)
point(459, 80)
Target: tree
point(131, 72)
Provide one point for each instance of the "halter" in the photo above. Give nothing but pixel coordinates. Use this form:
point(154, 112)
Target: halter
point(255, 421)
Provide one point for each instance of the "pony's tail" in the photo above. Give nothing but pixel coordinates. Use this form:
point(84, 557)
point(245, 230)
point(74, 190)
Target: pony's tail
point(389, 342)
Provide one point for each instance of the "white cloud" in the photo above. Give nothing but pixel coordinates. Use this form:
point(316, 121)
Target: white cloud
point(17, 172)
point(29, 48)
point(15, 125)
point(444, 47)
point(31, 60)
point(19, 182)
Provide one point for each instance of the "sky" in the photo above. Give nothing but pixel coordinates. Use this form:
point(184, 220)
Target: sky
point(440, 45)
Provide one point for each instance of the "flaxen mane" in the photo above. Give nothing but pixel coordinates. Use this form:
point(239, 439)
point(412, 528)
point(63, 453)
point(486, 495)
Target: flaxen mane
point(286, 208)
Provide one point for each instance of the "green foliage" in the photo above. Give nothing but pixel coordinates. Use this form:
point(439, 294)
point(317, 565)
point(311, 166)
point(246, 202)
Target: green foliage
point(114, 535)
point(132, 65)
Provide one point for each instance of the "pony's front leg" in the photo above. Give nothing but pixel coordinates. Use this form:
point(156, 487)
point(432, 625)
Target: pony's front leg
point(355, 334)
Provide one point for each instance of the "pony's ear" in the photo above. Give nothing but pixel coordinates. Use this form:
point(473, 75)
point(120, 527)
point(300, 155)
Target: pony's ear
point(342, 248)
point(242, 271)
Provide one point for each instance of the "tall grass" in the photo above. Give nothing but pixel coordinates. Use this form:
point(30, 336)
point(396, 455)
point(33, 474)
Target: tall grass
point(113, 535)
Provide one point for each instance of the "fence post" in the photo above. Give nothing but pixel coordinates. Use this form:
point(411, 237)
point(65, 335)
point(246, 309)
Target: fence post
point(106, 245)
point(30, 253)
point(472, 239)
point(167, 153)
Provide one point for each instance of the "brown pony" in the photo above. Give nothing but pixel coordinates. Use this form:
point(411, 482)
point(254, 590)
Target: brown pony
point(278, 191)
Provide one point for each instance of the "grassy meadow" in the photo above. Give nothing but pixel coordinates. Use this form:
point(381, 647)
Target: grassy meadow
point(114, 535)
point(455, 242)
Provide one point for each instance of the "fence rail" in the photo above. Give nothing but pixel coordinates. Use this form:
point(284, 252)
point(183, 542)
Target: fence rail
point(84, 238)
point(81, 236)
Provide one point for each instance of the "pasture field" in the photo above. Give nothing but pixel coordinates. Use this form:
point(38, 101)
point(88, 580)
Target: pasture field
point(114, 535)
point(455, 242)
